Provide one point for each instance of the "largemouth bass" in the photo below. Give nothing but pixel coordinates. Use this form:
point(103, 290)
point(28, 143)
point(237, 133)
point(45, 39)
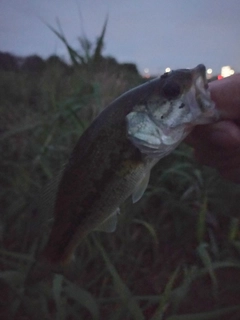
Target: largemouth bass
point(113, 158)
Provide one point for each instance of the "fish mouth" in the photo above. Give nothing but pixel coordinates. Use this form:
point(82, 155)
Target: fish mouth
point(201, 86)
point(203, 97)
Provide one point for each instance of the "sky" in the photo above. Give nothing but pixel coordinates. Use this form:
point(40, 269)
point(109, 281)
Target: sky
point(153, 34)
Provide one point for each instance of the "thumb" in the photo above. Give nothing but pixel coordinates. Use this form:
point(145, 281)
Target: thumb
point(224, 134)
point(226, 94)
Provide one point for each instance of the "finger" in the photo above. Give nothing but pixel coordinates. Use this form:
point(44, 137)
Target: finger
point(231, 174)
point(219, 159)
point(226, 94)
point(223, 134)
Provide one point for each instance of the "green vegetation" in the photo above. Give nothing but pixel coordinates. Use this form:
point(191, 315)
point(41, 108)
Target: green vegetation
point(175, 254)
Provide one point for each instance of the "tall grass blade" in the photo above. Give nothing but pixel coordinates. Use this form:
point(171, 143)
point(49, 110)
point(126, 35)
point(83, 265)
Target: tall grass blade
point(236, 245)
point(233, 229)
point(100, 44)
point(179, 294)
point(207, 262)
point(14, 131)
point(16, 256)
point(179, 170)
point(165, 297)
point(57, 290)
point(75, 57)
point(125, 294)
point(201, 224)
point(149, 227)
point(13, 278)
point(83, 298)
point(213, 315)
point(218, 265)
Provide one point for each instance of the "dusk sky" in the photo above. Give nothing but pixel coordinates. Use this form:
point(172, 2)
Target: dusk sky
point(154, 34)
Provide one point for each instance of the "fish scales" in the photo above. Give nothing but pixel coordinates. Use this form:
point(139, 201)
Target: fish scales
point(87, 188)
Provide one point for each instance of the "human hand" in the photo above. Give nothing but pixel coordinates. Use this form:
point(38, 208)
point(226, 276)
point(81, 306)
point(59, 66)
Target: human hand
point(218, 144)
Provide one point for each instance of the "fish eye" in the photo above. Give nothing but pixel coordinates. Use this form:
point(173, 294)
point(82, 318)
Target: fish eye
point(181, 106)
point(171, 90)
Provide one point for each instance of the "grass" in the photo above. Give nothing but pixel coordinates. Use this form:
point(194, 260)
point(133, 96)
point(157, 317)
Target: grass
point(175, 254)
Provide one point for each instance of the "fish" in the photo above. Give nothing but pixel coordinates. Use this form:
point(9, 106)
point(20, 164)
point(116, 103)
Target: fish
point(113, 158)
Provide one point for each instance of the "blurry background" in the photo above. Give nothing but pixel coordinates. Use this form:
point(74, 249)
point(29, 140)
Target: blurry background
point(176, 253)
point(152, 34)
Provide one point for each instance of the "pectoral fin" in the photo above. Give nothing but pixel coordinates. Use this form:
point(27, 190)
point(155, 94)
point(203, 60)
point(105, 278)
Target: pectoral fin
point(140, 188)
point(110, 223)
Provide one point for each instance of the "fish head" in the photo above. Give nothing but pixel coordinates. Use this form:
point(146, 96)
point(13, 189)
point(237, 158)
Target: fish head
point(180, 102)
point(184, 98)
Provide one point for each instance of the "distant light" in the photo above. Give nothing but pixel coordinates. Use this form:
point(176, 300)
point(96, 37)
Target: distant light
point(209, 71)
point(226, 71)
point(167, 69)
point(220, 77)
point(146, 73)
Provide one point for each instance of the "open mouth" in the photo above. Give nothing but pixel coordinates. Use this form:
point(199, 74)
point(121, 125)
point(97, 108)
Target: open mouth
point(203, 93)
point(203, 97)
